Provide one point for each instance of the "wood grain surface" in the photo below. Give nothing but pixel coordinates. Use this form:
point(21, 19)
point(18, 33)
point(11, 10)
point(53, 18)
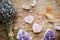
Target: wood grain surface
point(40, 10)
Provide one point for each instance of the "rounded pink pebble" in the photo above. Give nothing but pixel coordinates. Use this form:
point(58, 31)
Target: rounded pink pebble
point(29, 19)
point(37, 28)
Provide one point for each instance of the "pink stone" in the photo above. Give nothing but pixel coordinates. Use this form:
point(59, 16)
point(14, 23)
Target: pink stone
point(29, 19)
point(37, 28)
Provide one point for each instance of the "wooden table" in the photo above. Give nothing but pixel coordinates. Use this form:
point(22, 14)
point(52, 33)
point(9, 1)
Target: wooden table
point(37, 11)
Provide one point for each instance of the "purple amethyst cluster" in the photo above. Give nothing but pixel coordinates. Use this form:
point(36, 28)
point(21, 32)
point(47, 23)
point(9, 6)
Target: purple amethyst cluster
point(22, 35)
point(49, 35)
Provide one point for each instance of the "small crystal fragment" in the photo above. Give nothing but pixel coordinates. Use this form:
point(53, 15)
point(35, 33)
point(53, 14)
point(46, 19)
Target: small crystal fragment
point(57, 27)
point(29, 19)
point(49, 35)
point(33, 3)
point(37, 28)
point(22, 35)
point(49, 9)
point(26, 7)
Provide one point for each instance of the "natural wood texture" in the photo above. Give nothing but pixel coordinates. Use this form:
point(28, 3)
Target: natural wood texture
point(3, 33)
point(38, 11)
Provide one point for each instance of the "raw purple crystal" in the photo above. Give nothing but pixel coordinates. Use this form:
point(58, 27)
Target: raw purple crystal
point(49, 35)
point(22, 35)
